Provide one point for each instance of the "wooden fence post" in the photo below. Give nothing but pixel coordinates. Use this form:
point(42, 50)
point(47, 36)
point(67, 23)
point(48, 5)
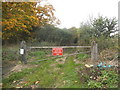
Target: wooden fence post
point(23, 52)
point(94, 51)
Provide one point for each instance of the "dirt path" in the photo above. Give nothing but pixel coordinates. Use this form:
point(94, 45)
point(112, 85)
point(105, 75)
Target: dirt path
point(15, 66)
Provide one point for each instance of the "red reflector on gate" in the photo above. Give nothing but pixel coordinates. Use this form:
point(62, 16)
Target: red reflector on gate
point(57, 51)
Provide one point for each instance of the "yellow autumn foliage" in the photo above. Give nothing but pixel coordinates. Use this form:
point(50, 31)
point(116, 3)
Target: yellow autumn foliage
point(20, 17)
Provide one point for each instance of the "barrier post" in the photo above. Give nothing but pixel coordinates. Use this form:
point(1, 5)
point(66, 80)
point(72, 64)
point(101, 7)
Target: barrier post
point(94, 51)
point(23, 52)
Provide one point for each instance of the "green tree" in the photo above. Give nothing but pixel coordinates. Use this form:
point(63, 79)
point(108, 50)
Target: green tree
point(74, 32)
point(51, 34)
point(19, 18)
point(86, 34)
point(104, 26)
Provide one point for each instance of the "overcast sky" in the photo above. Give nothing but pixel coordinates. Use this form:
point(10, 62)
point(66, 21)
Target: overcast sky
point(73, 12)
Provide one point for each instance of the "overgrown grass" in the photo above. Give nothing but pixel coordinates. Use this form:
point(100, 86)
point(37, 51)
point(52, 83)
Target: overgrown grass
point(7, 82)
point(10, 57)
point(40, 55)
point(82, 56)
point(70, 78)
point(52, 74)
point(108, 79)
point(61, 75)
point(10, 53)
point(37, 53)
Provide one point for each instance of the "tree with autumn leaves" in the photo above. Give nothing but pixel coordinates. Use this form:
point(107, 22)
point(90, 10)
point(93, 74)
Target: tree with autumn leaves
point(19, 18)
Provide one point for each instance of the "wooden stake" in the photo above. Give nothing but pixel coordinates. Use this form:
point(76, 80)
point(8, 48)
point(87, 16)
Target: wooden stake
point(23, 52)
point(94, 51)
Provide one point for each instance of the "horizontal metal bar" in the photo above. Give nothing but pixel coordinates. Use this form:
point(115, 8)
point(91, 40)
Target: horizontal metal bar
point(60, 47)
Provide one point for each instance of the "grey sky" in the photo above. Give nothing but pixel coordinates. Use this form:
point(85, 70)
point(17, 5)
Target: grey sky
point(73, 12)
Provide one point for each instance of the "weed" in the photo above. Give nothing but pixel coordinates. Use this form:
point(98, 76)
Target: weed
point(82, 56)
point(108, 79)
point(94, 84)
point(60, 65)
point(37, 53)
point(9, 55)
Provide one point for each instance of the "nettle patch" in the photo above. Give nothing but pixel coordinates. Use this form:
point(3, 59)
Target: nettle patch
point(99, 78)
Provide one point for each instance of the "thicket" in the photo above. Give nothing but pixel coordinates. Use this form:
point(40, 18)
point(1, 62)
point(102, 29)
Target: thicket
point(102, 30)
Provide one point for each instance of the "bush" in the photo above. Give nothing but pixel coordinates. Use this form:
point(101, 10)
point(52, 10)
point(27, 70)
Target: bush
point(9, 55)
point(108, 79)
point(104, 43)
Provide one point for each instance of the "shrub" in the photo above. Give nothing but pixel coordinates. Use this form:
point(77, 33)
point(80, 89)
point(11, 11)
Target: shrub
point(8, 54)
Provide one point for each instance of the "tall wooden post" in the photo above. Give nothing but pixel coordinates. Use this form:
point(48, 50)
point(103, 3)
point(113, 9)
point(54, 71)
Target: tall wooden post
point(23, 52)
point(94, 51)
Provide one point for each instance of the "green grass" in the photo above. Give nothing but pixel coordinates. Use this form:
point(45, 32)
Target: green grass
point(64, 77)
point(52, 74)
point(82, 56)
point(7, 82)
point(70, 79)
point(10, 53)
point(61, 75)
point(60, 65)
point(39, 54)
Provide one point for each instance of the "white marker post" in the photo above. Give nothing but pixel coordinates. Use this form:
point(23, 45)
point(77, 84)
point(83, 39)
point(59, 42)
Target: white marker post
point(23, 52)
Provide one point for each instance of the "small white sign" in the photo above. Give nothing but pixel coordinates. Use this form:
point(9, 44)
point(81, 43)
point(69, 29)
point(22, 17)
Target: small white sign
point(21, 51)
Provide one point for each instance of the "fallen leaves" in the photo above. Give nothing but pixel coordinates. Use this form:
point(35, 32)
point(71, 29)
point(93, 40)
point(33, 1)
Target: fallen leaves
point(62, 73)
point(76, 81)
point(1, 84)
point(14, 81)
point(64, 82)
point(88, 66)
point(19, 86)
point(23, 82)
point(34, 86)
point(36, 82)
